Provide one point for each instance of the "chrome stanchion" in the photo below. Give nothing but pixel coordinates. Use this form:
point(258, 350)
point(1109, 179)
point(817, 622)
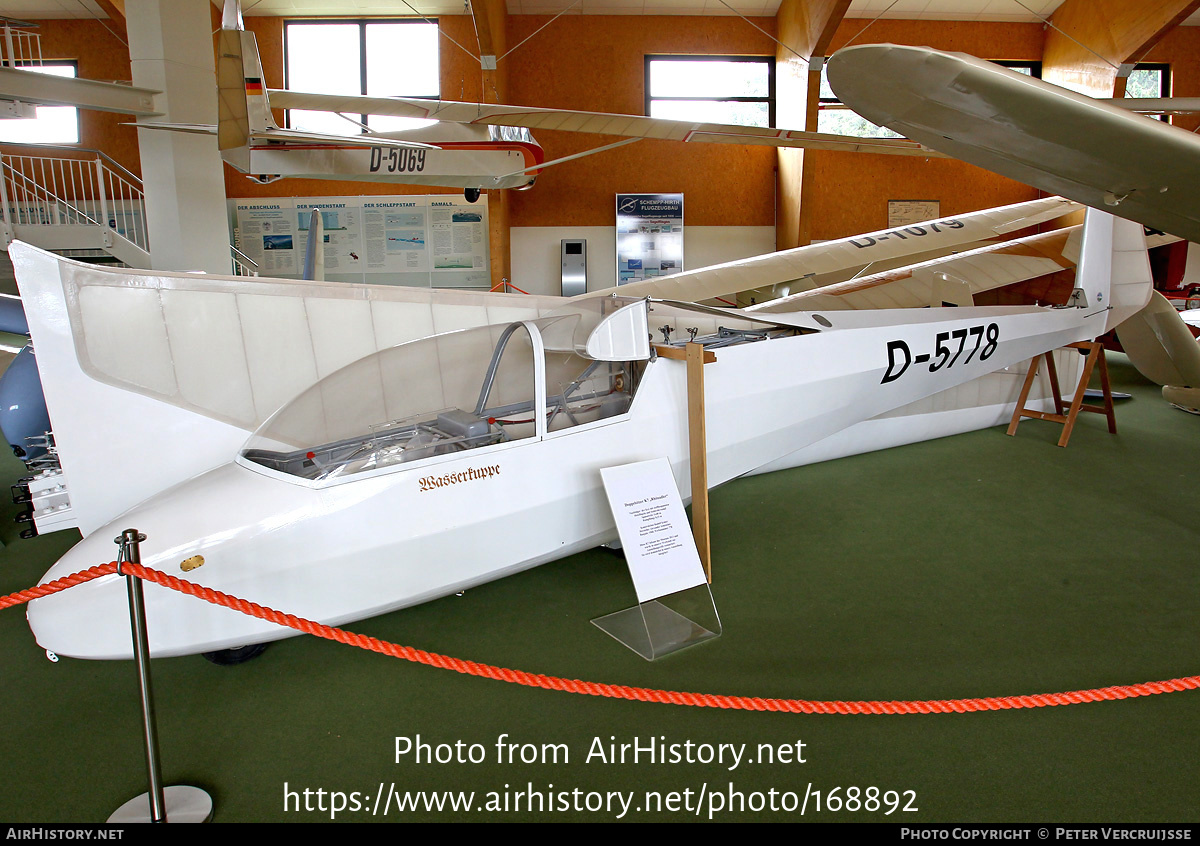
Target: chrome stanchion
point(178, 803)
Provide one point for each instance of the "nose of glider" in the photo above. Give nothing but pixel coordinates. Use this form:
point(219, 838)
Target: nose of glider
point(887, 83)
point(874, 79)
point(204, 531)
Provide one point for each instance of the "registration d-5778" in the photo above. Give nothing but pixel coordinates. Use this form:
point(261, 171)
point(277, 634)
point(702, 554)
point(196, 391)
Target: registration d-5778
point(948, 349)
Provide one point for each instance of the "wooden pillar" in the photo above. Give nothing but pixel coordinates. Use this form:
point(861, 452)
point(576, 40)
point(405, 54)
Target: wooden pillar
point(805, 28)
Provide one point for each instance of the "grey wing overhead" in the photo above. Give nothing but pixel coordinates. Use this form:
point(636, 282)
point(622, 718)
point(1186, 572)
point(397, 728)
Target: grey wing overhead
point(1023, 128)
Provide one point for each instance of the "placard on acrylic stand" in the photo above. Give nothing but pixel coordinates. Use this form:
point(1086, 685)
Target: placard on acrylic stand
point(675, 607)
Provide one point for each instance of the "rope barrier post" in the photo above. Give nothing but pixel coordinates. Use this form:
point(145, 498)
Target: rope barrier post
point(178, 803)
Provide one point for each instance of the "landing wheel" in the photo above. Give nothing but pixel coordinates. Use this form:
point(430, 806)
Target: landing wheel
point(472, 194)
point(237, 655)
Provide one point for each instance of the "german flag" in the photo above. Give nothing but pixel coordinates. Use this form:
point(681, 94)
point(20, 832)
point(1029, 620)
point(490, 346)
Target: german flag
point(254, 86)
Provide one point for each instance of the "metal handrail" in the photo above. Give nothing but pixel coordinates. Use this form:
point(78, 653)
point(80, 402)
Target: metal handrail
point(242, 257)
point(109, 187)
point(243, 265)
point(48, 197)
point(73, 149)
point(15, 34)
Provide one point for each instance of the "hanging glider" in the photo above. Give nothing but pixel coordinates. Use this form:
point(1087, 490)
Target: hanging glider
point(473, 146)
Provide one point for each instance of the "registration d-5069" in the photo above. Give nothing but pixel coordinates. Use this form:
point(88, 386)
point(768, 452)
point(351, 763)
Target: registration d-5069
point(397, 160)
point(947, 350)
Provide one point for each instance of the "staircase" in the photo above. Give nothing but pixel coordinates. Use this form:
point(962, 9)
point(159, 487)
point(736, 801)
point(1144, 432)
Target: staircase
point(20, 46)
point(74, 199)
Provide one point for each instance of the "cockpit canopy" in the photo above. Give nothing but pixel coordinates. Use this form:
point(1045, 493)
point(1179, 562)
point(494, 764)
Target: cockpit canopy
point(458, 391)
point(484, 386)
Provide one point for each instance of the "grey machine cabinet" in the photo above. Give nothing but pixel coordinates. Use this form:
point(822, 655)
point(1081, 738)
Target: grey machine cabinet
point(574, 266)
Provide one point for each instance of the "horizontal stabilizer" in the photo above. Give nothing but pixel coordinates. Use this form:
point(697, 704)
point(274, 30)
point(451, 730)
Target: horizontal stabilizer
point(193, 128)
point(1160, 345)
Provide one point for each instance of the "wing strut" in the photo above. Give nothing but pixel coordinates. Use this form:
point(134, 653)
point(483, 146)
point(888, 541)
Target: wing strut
point(571, 157)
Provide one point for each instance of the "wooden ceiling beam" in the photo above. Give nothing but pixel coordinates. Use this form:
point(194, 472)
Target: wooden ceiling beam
point(807, 26)
point(115, 11)
point(491, 20)
point(1118, 32)
point(805, 29)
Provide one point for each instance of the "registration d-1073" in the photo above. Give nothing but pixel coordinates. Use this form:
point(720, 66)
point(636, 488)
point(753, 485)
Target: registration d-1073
point(948, 350)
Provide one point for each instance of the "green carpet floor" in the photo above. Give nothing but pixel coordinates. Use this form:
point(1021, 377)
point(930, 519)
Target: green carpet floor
point(978, 565)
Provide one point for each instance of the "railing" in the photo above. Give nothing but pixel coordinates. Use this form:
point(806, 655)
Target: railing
point(38, 190)
point(84, 189)
point(20, 47)
point(243, 265)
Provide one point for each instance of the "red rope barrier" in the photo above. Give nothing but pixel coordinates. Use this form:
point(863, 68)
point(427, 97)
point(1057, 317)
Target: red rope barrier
point(638, 694)
point(55, 586)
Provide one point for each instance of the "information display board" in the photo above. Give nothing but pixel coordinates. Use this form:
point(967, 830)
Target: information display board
point(654, 530)
point(675, 607)
point(649, 236)
point(425, 240)
point(908, 212)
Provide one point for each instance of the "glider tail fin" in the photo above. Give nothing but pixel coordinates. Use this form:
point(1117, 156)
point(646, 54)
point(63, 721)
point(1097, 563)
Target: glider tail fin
point(241, 90)
point(1114, 268)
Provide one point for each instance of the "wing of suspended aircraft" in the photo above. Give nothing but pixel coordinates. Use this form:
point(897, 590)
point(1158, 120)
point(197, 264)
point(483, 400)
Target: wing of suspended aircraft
point(277, 133)
point(952, 280)
point(1156, 105)
point(800, 267)
point(1035, 269)
point(1028, 130)
point(597, 123)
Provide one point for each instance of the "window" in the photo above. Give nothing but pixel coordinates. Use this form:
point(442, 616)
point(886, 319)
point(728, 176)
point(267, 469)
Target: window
point(379, 58)
point(53, 124)
point(840, 120)
point(1033, 69)
point(1149, 80)
point(714, 89)
point(837, 119)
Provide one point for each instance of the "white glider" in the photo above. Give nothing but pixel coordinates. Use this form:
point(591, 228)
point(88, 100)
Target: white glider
point(424, 468)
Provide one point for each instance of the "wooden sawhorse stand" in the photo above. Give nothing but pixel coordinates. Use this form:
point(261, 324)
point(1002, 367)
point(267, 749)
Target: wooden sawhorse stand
point(1095, 353)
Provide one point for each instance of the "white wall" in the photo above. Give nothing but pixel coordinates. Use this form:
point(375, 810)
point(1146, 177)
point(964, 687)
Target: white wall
point(537, 269)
